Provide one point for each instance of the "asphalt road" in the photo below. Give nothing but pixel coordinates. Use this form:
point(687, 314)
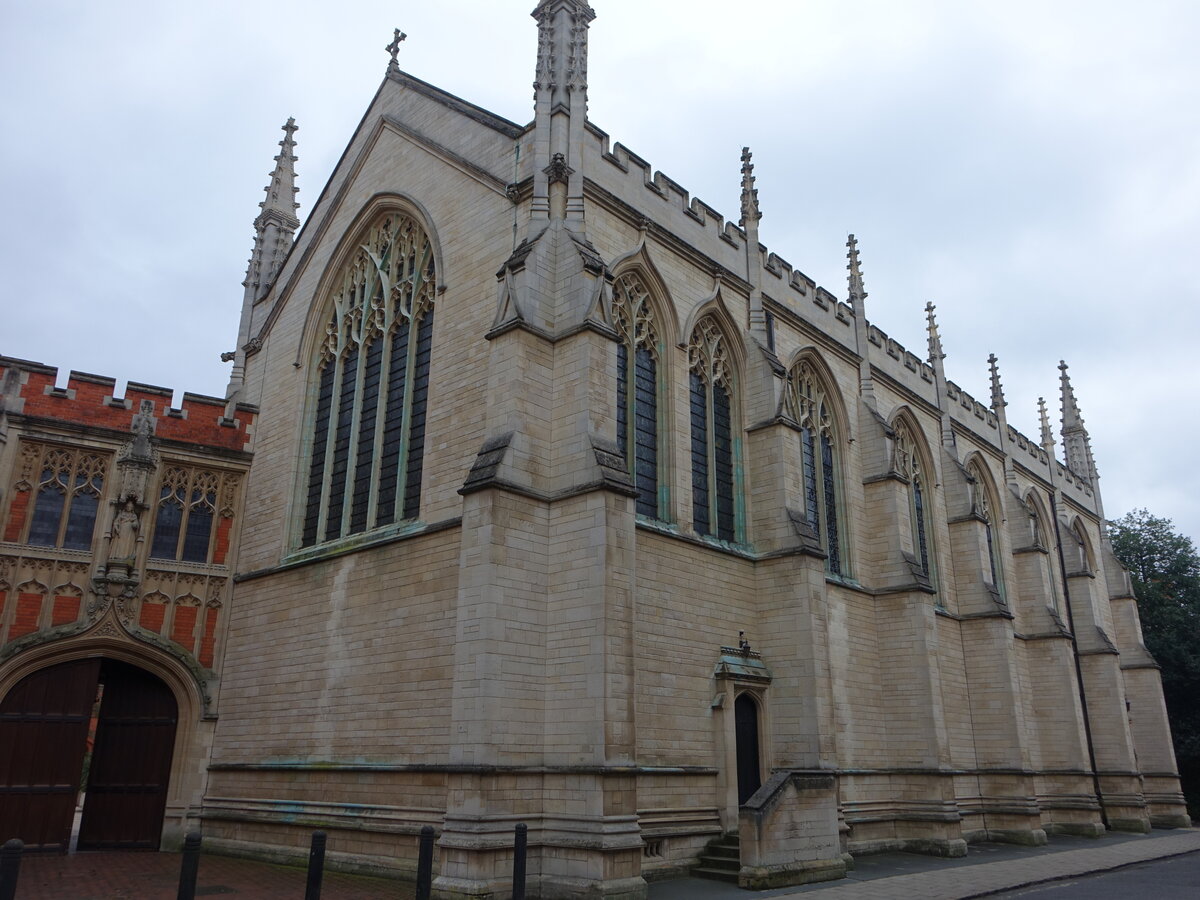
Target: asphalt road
point(1161, 879)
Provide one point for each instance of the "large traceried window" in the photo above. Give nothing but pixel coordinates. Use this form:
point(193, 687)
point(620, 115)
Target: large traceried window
point(714, 455)
point(809, 405)
point(982, 506)
point(908, 463)
point(68, 499)
point(638, 390)
point(1040, 539)
point(371, 386)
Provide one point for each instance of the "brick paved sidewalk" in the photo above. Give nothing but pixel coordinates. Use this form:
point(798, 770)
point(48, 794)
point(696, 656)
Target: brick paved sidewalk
point(987, 869)
point(155, 876)
point(983, 879)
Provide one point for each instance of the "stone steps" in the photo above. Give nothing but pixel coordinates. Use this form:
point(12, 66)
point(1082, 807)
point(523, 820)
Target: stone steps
point(721, 860)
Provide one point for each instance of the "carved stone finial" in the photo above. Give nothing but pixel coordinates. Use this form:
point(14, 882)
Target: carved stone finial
point(1076, 442)
point(998, 401)
point(857, 291)
point(935, 339)
point(1070, 408)
point(751, 214)
point(1047, 434)
point(562, 46)
point(280, 204)
point(394, 50)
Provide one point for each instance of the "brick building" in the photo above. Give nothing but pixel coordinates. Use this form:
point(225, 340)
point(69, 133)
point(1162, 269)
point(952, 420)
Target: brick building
point(572, 504)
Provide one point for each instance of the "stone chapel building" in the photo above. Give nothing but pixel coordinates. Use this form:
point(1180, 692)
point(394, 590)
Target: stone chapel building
point(541, 493)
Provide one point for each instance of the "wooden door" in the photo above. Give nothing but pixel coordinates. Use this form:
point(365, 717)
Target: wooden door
point(749, 769)
point(131, 762)
point(43, 736)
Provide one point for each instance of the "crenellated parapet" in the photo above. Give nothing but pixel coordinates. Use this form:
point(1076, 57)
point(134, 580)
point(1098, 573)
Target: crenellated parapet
point(90, 401)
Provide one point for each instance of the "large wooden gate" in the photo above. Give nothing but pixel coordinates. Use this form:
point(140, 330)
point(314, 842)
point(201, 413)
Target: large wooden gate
point(43, 735)
point(44, 726)
point(131, 763)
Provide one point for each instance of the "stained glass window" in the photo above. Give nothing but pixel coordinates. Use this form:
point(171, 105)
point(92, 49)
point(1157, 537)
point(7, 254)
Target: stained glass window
point(190, 502)
point(908, 463)
point(713, 450)
point(983, 506)
point(68, 498)
point(637, 408)
point(371, 387)
point(809, 405)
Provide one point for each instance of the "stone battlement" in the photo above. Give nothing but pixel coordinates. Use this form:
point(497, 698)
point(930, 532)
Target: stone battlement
point(29, 389)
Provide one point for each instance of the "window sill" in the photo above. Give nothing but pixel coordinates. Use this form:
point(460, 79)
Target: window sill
point(344, 546)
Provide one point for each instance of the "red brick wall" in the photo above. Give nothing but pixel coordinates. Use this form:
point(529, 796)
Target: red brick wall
point(152, 616)
point(209, 638)
point(199, 423)
point(221, 549)
point(66, 610)
point(29, 610)
point(16, 515)
point(183, 631)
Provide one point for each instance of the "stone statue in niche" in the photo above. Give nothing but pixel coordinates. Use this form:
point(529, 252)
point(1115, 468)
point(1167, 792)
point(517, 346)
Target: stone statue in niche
point(142, 427)
point(123, 545)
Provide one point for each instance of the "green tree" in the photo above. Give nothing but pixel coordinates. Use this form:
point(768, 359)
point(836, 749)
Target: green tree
point(1166, 576)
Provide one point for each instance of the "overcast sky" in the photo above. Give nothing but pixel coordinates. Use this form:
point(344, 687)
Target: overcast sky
point(1033, 168)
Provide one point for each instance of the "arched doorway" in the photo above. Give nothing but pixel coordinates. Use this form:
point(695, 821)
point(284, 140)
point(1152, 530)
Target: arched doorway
point(48, 721)
point(749, 767)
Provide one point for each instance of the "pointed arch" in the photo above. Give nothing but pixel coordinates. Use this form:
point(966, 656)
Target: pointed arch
point(1082, 560)
point(641, 387)
point(640, 262)
point(1039, 530)
point(717, 502)
point(1039, 523)
point(812, 401)
point(911, 461)
point(369, 376)
point(380, 204)
point(985, 504)
point(716, 307)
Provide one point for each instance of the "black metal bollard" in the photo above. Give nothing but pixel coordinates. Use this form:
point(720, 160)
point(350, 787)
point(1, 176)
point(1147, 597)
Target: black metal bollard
point(189, 868)
point(316, 866)
point(519, 851)
point(425, 864)
point(10, 868)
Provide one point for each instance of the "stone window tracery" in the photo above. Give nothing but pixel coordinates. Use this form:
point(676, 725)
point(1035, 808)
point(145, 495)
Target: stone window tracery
point(371, 386)
point(982, 503)
point(67, 494)
point(908, 464)
point(1041, 541)
point(187, 511)
point(809, 405)
point(713, 446)
point(638, 390)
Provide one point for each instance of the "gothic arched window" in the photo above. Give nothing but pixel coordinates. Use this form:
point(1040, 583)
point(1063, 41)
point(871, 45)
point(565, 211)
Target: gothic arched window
point(638, 390)
point(1041, 541)
point(371, 385)
point(982, 506)
point(714, 454)
point(68, 499)
point(186, 513)
point(809, 405)
point(909, 464)
point(1083, 562)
